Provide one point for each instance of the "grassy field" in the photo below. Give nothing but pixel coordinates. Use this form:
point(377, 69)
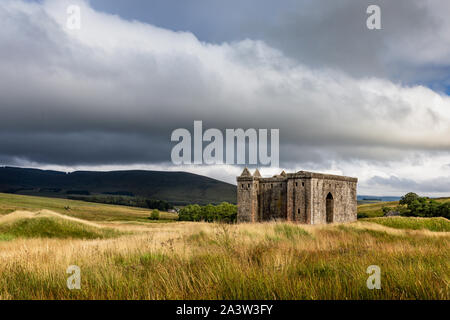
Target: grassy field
point(410, 223)
point(126, 259)
point(79, 209)
point(375, 209)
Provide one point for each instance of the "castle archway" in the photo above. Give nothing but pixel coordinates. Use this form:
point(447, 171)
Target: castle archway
point(330, 207)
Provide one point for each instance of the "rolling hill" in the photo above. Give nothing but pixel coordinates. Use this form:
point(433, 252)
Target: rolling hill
point(178, 188)
point(376, 209)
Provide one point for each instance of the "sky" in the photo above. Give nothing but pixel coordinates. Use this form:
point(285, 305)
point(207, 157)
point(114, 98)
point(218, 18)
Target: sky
point(372, 104)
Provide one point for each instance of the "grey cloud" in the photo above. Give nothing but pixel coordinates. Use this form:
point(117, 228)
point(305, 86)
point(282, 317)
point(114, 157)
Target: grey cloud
point(84, 148)
point(438, 185)
point(411, 47)
point(68, 100)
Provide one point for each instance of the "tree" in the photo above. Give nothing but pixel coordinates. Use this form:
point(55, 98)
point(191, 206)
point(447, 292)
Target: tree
point(408, 198)
point(155, 214)
point(444, 210)
point(416, 206)
point(224, 212)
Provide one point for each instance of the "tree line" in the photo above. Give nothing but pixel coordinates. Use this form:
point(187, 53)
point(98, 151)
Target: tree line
point(224, 212)
point(127, 201)
point(411, 204)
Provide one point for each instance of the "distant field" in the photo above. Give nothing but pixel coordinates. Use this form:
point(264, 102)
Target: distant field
point(375, 209)
point(411, 223)
point(79, 209)
point(121, 256)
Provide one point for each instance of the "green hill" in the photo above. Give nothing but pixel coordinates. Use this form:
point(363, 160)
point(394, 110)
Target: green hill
point(410, 223)
point(78, 209)
point(376, 209)
point(48, 224)
point(178, 188)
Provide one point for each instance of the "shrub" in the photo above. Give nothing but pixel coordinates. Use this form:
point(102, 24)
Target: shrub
point(224, 212)
point(154, 215)
point(423, 207)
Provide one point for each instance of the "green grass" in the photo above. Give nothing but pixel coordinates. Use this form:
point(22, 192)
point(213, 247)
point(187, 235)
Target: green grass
point(372, 210)
point(6, 237)
point(79, 209)
point(289, 231)
point(375, 209)
point(432, 224)
point(50, 227)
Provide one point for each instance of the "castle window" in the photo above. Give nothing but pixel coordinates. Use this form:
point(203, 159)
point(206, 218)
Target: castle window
point(303, 184)
point(271, 185)
point(298, 210)
point(296, 184)
point(249, 185)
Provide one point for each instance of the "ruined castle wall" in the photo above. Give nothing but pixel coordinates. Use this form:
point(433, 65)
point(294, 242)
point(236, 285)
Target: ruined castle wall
point(348, 203)
point(299, 200)
point(272, 199)
point(290, 202)
point(299, 197)
point(247, 200)
point(344, 200)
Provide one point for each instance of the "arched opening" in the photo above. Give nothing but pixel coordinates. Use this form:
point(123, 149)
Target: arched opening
point(330, 207)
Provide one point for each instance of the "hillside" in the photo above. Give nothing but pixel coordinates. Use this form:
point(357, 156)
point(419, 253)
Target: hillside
point(10, 203)
point(175, 187)
point(376, 209)
point(48, 224)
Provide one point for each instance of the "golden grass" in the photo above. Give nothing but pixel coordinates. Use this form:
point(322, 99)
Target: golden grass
point(248, 261)
point(79, 209)
point(19, 215)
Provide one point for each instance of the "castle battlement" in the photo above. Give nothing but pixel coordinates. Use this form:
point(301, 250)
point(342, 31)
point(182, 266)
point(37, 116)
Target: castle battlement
point(304, 197)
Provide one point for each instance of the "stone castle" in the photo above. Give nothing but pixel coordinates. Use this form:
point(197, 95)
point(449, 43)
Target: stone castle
point(304, 197)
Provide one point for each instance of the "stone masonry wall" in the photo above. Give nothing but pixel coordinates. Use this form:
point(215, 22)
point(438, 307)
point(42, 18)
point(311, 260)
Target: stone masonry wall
point(247, 199)
point(272, 199)
point(344, 200)
point(299, 197)
point(299, 200)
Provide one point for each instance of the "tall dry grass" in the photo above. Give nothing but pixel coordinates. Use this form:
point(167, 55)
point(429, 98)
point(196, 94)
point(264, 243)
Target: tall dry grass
point(247, 261)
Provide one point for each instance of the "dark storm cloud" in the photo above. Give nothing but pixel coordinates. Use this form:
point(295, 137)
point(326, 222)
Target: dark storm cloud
point(410, 47)
point(84, 148)
point(112, 92)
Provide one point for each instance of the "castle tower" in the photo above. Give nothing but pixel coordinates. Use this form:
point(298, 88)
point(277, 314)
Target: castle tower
point(248, 188)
